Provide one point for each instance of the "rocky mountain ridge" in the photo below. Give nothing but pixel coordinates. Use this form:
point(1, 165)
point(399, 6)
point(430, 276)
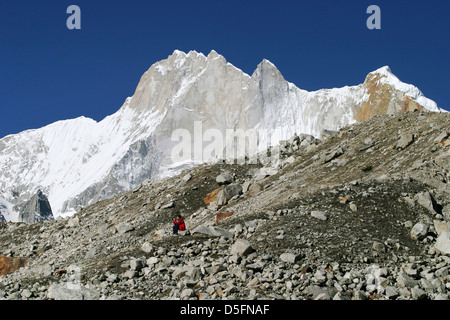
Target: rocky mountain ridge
point(362, 213)
point(80, 161)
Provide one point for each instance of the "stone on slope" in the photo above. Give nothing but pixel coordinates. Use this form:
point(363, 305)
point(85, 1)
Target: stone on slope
point(227, 193)
point(68, 291)
point(419, 231)
point(405, 140)
point(212, 231)
point(443, 243)
point(290, 257)
point(9, 264)
point(224, 178)
point(319, 215)
point(241, 247)
point(426, 200)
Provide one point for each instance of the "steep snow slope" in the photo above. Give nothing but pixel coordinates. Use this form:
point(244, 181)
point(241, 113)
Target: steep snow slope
point(79, 161)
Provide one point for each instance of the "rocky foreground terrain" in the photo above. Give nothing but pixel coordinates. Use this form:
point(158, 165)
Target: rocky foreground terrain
point(363, 213)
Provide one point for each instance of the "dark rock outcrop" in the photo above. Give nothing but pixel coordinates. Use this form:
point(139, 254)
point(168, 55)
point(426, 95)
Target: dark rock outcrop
point(36, 209)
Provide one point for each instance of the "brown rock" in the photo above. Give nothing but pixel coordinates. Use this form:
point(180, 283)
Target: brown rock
point(221, 216)
point(254, 189)
point(211, 197)
point(9, 265)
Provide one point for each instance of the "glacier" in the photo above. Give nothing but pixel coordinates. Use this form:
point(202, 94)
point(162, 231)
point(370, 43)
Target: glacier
point(79, 161)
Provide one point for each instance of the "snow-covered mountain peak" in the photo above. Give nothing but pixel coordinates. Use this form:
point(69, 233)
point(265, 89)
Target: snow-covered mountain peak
point(384, 76)
point(384, 71)
point(77, 162)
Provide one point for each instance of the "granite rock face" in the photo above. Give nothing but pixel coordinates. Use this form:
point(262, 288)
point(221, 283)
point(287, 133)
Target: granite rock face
point(77, 162)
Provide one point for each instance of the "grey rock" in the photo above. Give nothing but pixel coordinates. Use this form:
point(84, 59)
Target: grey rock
point(333, 154)
point(212, 231)
point(130, 274)
point(319, 215)
point(419, 231)
point(228, 192)
point(442, 244)
point(112, 278)
point(168, 205)
point(187, 293)
point(152, 261)
point(265, 172)
point(379, 247)
point(73, 222)
point(241, 247)
point(405, 140)
point(147, 247)
point(36, 209)
point(441, 226)
point(254, 189)
point(92, 252)
point(186, 177)
point(404, 281)
point(224, 178)
point(341, 296)
point(353, 207)
point(391, 292)
point(442, 136)
point(290, 257)
point(418, 294)
point(426, 200)
point(245, 186)
point(193, 272)
point(26, 294)
point(136, 264)
point(67, 291)
point(316, 291)
point(124, 227)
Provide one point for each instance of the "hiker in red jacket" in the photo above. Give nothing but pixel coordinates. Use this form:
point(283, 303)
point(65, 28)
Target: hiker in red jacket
point(178, 224)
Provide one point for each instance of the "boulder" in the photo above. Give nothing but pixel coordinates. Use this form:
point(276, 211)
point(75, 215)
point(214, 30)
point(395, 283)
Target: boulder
point(136, 264)
point(68, 291)
point(147, 247)
point(254, 189)
point(152, 261)
point(241, 247)
point(124, 227)
point(290, 257)
point(441, 137)
point(224, 215)
point(187, 293)
point(211, 197)
point(443, 243)
point(265, 172)
point(9, 265)
point(404, 281)
point(224, 178)
point(73, 222)
point(426, 200)
point(419, 231)
point(227, 193)
point(405, 140)
point(441, 226)
point(92, 252)
point(319, 215)
point(212, 231)
point(332, 154)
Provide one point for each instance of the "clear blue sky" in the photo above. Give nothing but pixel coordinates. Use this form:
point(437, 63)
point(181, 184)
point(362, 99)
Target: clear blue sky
point(50, 73)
